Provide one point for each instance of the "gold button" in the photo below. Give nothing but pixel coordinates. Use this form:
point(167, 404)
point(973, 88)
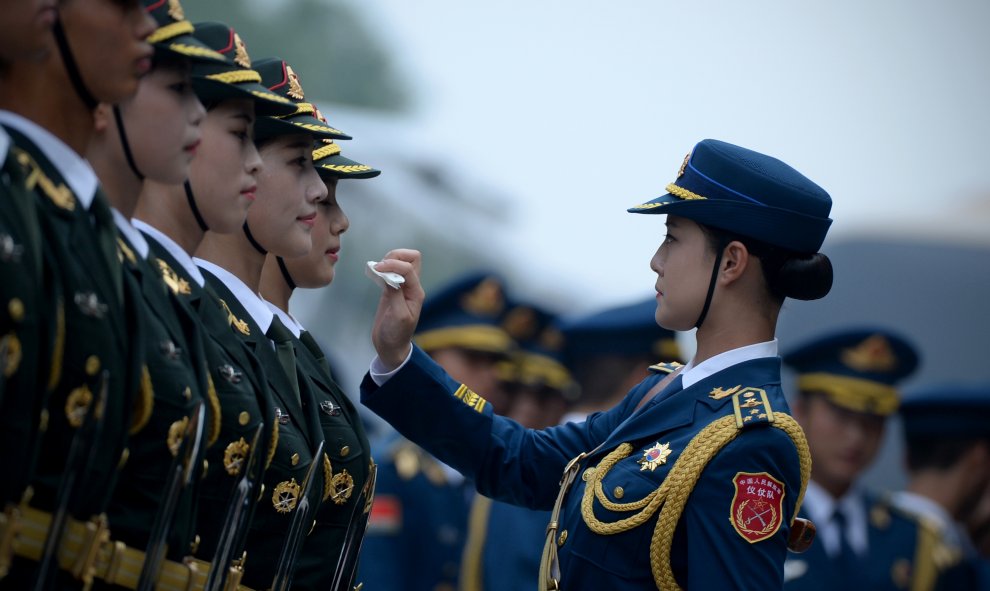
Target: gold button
point(295, 459)
point(187, 393)
point(345, 450)
point(586, 476)
point(244, 417)
point(16, 309)
point(562, 538)
point(92, 365)
point(618, 492)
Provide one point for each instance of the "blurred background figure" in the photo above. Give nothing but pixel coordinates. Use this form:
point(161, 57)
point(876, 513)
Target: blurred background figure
point(610, 351)
point(418, 525)
point(505, 541)
point(947, 438)
point(846, 390)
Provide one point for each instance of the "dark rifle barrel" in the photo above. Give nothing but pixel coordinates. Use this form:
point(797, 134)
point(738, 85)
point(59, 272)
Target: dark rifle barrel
point(347, 562)
point(237, 520)
point(179, 476)
point(297, 530)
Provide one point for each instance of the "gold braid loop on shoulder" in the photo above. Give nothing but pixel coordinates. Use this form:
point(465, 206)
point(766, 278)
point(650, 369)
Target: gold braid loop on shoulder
point(671, 497)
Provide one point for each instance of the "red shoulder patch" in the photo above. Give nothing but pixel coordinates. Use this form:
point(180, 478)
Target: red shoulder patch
point(757, 505)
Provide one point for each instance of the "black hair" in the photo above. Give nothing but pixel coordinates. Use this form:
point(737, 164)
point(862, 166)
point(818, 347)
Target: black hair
point(938, 452)
point(787, 274)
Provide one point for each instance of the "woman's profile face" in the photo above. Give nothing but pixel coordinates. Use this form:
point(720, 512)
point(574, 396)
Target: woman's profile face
point(289, 187)
point(223, 175)
point(162, 121)
point(683, 265)
point(316, 269)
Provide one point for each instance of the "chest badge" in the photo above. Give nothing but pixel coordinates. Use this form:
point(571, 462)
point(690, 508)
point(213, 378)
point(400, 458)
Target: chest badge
point(654, 456)
point(229, 373)
point(341, 487)
point(329, 408)
point(756, 505)
point(281, 416)
point(234, 456)
point(286, 495)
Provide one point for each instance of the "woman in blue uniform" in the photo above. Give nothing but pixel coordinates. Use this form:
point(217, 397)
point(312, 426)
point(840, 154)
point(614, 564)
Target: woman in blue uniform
point(693, 480)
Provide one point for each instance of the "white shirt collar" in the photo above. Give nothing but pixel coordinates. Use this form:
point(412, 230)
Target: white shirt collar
point(821, 507)
point(692, 374)
point(287, 319)
point(131, 234)
point(252, 302)
point(4, 145)
point(185, 261)
point(953, 533)
point(73, 167)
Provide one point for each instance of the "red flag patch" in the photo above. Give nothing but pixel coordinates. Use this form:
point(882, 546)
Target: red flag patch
point(757, 505)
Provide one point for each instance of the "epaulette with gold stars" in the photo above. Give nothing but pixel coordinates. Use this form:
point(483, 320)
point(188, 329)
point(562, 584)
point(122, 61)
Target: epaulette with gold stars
point(750, 406)
point(666, 367)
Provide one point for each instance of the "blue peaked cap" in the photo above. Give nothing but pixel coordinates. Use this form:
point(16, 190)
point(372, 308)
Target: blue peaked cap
point(751, 194)
point(629, 330)
point(947, 410)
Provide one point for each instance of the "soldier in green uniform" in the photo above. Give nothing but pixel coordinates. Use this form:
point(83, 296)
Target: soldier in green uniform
point(24, 331)
point(280, 222)
point(153, 135)
point(94, 365)
point(343, 513)
point(173, 218)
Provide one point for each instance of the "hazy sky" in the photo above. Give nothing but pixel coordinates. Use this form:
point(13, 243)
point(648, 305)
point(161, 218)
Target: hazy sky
point(578, 110)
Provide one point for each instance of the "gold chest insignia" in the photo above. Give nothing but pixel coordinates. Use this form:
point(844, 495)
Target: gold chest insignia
point(10, 354)
point(241, 57)
point(295, 88)
point(234, 456)
point(178, 285)
point(241, 326)
point(77, 404)
point(327, 477)
point(719, 393)
point(341, 487)
point(124, 252)
point(654, 456)
point(175, 432)
point(286, 495)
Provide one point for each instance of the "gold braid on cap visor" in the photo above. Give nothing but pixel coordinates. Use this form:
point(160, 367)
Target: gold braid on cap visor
point(169, 31)
point(477, 337)
point(853, 393)
point(236, 77)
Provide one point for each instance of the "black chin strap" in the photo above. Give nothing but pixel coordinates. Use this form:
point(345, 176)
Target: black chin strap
point(250, 237)
point(191, 199)
point(71, 67)
point(711, 286)
point(285, 272)
point(125, 144)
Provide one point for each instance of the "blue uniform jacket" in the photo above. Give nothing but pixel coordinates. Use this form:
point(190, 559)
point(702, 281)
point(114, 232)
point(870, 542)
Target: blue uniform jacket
point(520, 466)
point(900, 556)
point(418, 523)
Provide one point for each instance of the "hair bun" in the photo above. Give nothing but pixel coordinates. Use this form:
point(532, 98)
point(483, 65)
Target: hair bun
point(805, 277)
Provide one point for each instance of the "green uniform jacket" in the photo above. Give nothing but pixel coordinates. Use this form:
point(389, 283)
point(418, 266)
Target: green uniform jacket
point(27, 312)
point(99, 331)
point(299, 435)
point(174, 380)
point(349, 455)
point(245, 403)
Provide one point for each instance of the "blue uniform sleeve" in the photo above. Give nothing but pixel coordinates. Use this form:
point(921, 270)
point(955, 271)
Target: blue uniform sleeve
point(506, 461)
point(711, 548)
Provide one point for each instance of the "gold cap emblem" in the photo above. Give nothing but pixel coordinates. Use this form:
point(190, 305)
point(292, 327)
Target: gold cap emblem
point(874, 354)
point(175, 10)
point(680, 171)
point(295, 88)
point(486, 299)
point(241, 57)
point(520, 323)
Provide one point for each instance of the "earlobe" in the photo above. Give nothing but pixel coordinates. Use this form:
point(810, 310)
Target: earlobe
point(101, 117)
